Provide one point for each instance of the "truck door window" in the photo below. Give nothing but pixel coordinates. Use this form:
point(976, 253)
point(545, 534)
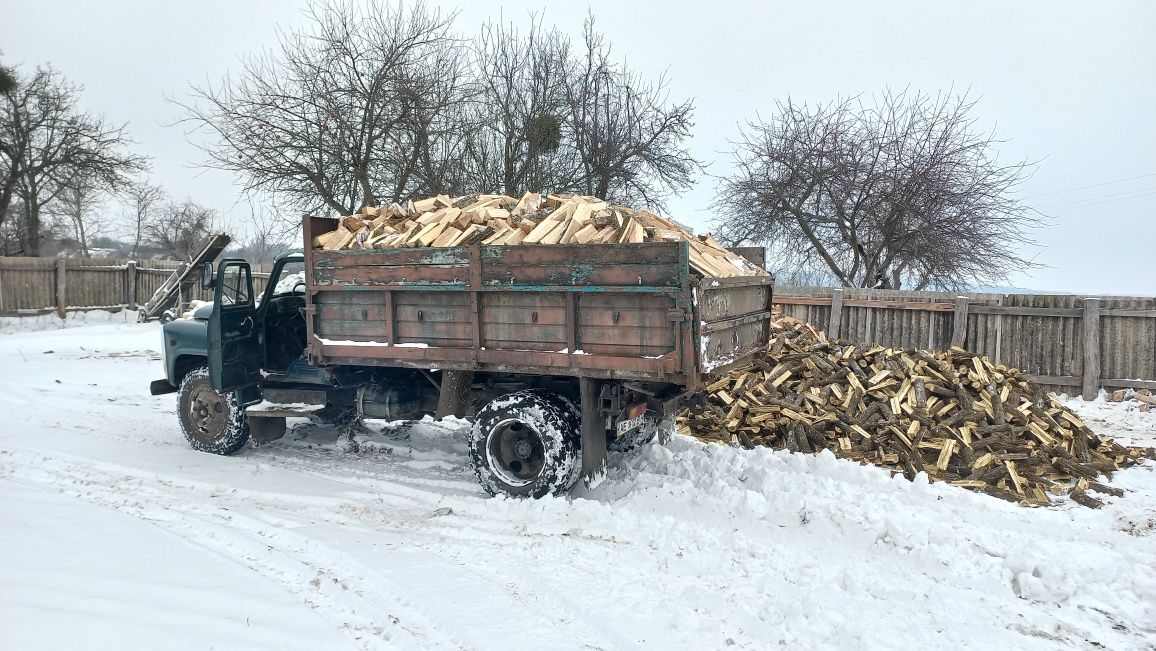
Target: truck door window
point(236, 285)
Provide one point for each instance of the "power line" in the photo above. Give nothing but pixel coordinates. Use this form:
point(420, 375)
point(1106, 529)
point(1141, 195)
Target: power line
point(1097, 203)
point(1100, 196)
point(1094, 185)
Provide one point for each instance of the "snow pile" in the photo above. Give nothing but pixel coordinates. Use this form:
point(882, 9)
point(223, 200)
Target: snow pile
point(35, 323)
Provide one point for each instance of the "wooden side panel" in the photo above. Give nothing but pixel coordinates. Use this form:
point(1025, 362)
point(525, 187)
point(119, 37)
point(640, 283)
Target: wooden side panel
point(723, 302)
point(645, 265)
point(434, 319)
point(351, 316)
point(518, 308)
point(626, 324)
point(524, 321)
point(735, 322)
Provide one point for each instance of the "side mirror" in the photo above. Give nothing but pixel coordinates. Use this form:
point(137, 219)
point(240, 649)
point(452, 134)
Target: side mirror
point(207, 276)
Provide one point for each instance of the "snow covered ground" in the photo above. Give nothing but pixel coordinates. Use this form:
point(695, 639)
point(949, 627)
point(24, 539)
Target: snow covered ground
point(114, 535)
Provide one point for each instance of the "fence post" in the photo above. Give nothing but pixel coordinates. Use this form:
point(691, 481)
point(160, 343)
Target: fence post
point(1091, 348)
point(130, 284)
point(959, 323)
point(61, 287)
point(836, 321)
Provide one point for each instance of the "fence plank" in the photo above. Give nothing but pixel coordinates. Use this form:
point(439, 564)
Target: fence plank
point(834, 323)
point(130, 284)
point(959, 325)
point(61, 286)
point(1091, 347)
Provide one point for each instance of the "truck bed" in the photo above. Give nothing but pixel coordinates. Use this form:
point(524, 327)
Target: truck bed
point(619, 311)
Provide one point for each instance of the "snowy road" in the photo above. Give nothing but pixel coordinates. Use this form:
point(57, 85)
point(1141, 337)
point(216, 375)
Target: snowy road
point(114, 535)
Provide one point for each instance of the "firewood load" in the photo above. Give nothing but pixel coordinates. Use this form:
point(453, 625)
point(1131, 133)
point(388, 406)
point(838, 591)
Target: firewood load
point(496, 219)
point(954, 415)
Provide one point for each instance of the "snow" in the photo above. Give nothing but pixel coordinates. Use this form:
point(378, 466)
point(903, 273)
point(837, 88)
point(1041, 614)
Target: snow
point(294, 406)
point(1132, 426)
point(289, 283)
point(11, 324)
point(116, 535)
point(350, 342)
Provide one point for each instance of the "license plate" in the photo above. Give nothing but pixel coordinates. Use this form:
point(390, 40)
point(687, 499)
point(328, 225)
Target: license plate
point(627, 425)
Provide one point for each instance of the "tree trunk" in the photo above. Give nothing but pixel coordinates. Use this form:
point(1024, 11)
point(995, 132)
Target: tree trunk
point(6, 193)
point(81, 236)
point(455, 391)
point(31, 229)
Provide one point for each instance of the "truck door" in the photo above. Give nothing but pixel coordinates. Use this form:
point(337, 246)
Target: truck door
point(236, 341)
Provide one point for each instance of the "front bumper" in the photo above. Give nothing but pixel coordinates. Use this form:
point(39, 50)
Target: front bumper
point(161, 387)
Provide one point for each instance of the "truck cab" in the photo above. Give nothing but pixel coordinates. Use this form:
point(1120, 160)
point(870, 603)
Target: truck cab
point(222, 358)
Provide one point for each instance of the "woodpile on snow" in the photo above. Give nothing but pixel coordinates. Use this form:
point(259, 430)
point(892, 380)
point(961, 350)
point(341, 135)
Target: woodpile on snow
point(954, 415)
point(495, 219)
point(1142, 398)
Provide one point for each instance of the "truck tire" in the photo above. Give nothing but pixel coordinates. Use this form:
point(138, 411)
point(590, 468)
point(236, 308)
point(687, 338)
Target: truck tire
point(527, 444)
point(212, 422)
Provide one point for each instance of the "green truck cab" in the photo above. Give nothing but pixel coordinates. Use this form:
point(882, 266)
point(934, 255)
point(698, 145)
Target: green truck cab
point(558, 353)
point(230, 352)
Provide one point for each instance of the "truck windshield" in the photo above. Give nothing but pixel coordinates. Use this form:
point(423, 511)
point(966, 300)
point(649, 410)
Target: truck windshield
point(291, 279)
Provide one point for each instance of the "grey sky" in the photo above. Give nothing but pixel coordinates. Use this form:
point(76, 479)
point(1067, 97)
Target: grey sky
point(1070, 84)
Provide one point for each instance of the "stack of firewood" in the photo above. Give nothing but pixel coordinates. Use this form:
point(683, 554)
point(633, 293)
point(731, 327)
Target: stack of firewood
point(496, 219)
point(954, 415)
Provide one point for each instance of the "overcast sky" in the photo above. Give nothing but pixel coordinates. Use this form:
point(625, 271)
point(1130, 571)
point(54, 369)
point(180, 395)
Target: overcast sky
point(1070, 84)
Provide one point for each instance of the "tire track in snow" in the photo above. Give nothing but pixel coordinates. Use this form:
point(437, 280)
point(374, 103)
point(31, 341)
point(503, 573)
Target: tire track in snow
point(355, 599)
point(346, 592)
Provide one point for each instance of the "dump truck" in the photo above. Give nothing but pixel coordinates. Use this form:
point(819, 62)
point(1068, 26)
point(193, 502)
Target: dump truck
point(556, 353)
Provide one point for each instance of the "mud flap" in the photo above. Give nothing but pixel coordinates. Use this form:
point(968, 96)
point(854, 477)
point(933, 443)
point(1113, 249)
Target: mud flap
point(593, 432)
point(263, 429)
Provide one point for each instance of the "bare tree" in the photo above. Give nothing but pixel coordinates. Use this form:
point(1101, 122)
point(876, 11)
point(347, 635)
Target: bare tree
point(178, 228)
point(629, 140)
point(330, 120)
point(266, 233)
point(142, 200)
point(904, 192)
point(46, 141)
point(79, 201)
point(519, 110)
point(378, 103)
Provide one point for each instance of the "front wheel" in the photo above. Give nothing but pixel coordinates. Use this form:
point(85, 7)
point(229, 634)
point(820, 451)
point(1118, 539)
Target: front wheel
point(527, 444)
point(212, 422)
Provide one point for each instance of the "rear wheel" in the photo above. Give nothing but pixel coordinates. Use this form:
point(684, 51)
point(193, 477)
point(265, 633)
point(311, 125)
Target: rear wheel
point(527, 444)
point(212, 422)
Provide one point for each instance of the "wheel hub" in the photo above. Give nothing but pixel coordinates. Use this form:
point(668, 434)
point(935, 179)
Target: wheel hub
point(208, 413)
point(517, 454)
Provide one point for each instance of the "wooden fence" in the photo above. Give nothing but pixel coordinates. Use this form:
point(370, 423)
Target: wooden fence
point(1076, 344)
point(30, 286)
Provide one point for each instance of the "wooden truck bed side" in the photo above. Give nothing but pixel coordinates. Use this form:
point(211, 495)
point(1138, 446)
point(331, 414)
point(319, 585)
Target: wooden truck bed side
point(734, 316)
point(624, 311)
